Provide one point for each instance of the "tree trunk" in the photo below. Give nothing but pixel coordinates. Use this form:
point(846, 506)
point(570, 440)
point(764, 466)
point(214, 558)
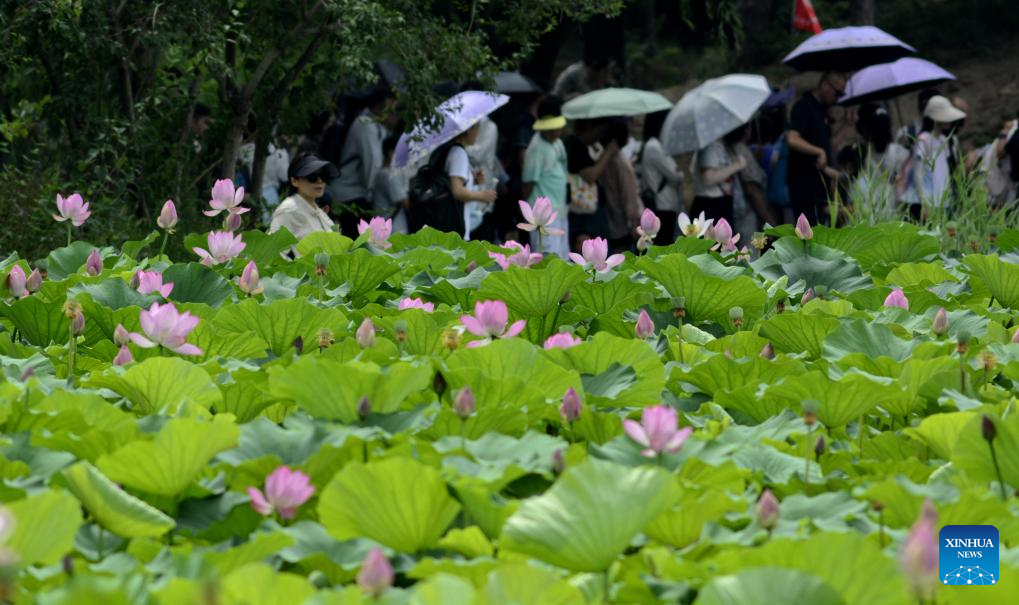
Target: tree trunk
point(757, 21)
point(240, 108)
point(861, 12)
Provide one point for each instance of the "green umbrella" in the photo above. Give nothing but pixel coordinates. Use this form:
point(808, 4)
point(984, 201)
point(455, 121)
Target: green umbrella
point(610, 102)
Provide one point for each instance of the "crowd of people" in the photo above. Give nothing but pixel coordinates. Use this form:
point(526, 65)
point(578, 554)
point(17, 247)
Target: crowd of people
point(599, 177)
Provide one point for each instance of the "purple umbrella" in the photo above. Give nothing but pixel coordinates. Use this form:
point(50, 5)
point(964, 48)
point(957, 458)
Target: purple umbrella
point(458, 114)
point(847, 49)
point(889, 80)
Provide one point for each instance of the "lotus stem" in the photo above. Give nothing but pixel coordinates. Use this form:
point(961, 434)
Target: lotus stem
point(806, 459)
point(72, 350)
point(166, 238)
point(679, 338)
point(555, 320)
point(99, 541)
point(997, 470)
point(68, 233)
point(862, 425)
point(538, 232)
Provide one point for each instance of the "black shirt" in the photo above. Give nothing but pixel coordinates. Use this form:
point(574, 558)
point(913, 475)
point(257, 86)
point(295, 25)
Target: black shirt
point(806, 182)
point(1012, 149)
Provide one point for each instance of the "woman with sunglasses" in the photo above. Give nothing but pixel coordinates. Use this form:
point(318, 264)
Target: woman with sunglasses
point(300, 213)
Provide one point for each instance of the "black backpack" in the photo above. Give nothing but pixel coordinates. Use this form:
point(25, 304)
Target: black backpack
point(431, 198)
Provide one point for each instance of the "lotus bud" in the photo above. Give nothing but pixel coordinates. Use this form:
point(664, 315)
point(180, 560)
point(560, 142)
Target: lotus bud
point(366, 334)
point(94, 264)
point(807, 296)
point(571, 406)
point(123, 357)
point(121, 336)
point(232, 222)
point(78, 324)
point(298, 345)
point(736, 315)
point(767, 510)
point(919, 555)
point(376, 575)
point(249, 282)
point(645, 328)
point(988, 361)
point(939, 326)
point(1015, 337)
point(321, 262)
point(439, 384)
point(819, 447)
point(325, 338)
point(450, 339)
point(464, 405)
point(364, 408)
point(768, 352)
point(759, 241)
point(471, 266)
point(558, 462)
point(17, 282)
point(34, 281)
point(987, 428)
point(400, 330)
point(810, 412)
point(962, 343)
point(167, 216)
point(952, 228)
point(897, 299)
point(803, 230)
point(67, 563)
point(877, 505)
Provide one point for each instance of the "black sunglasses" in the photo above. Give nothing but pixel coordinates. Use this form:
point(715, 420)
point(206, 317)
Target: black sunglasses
point(321, 175)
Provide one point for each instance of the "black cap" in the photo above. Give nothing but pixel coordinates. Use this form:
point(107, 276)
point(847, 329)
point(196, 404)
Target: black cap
point(309, 164)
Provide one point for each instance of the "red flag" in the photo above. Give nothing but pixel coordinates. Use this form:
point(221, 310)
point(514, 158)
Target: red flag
point(804, 17)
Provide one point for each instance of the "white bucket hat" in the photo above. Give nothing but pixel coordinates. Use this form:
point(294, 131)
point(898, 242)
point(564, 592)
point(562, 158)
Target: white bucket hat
point(941, 110)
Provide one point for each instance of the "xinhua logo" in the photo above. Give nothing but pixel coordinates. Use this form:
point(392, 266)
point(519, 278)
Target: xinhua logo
point(968, 555)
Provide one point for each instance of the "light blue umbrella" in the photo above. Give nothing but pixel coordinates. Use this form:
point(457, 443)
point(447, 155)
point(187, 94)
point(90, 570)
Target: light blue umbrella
point(614, 102)
point(711, 110)
point(458, 114)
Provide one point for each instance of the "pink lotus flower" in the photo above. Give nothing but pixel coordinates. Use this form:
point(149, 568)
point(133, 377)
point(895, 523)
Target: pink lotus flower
point(166, 327)
point(152, 281)
point(121, 336)
point(123, 357)
point(657, 431)
point(807, 296)
point(223, 246)
point(376, 574)
point(34, 281)
point(489, 322)
point(571, 406)
point(596, 256)
point(381, 228)
point(416, 303)
point(645, 328)
point(73, 209)
point(285, 491)
point(167, 216)
point(694, 228)
point(897, 299)
point(232, 222)
point(94, 263)
point(767, 510)
point(562, 340)
point(249, 282)
point(226, 199)
point(919, 556)
point(16, 282)
point(648, 230)
point(722, 234)
point(539, 217)
point(522, 258)
point(365, 334)
point(803, 230)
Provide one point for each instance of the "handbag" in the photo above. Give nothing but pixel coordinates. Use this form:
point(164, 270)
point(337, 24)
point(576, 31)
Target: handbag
point(583, 195)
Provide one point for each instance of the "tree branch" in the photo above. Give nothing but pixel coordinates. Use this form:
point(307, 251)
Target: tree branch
point(274, 53)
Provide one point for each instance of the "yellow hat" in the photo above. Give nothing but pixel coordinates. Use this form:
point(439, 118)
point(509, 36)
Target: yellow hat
point(550, 123)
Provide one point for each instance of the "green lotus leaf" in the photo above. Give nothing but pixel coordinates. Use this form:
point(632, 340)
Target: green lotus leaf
point(871, 339)
point(267, 248)
point(485, 505)
point(113, 294)
point(722, 374)
point(40, 322)
point(940, 432)
point(838, 559)
point(257, 549)
point(706, 298)
point(972, 453)
point(598, 363)
point(44, 526)
point(689, 246)
point(1001, 278)
point(522, 583)
point(590, 515)
point(168, 464)
point(260, 584)
point(798, 333)
point(814, 264)
point(196, 283)
point(469, 541)
point(533, 292)
point(360, 270)
point(878, 246)
point(133, 248)
point(422, 331)
point(840, 401)
point(768, 585)
point(609, 296)
point(112, 507)
point(67, 260)
point(444, 589)
point(161, 384)
point(682, 525)
point(919, 274)
point(80, 423)
point(398, 502)
point(332, 390)
point(280, 323)
point(325, 241)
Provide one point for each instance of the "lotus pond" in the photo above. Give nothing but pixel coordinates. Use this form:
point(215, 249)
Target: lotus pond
point(412, 420)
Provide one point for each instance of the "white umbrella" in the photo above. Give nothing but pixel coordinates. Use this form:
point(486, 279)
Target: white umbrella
point(711, 110)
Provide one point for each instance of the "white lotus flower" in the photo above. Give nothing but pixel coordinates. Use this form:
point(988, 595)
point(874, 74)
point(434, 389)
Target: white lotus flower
point(696, 228)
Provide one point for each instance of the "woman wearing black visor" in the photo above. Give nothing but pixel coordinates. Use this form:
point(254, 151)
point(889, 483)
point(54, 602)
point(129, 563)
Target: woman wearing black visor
point(300, 212)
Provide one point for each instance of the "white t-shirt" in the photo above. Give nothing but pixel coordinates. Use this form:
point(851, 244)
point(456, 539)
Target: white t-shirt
point(458, 164)
point(716, 156)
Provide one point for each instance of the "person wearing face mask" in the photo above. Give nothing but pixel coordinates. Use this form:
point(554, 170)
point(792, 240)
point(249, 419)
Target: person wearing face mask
point(810, 172)
point(930, 176)
point(300, 213)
